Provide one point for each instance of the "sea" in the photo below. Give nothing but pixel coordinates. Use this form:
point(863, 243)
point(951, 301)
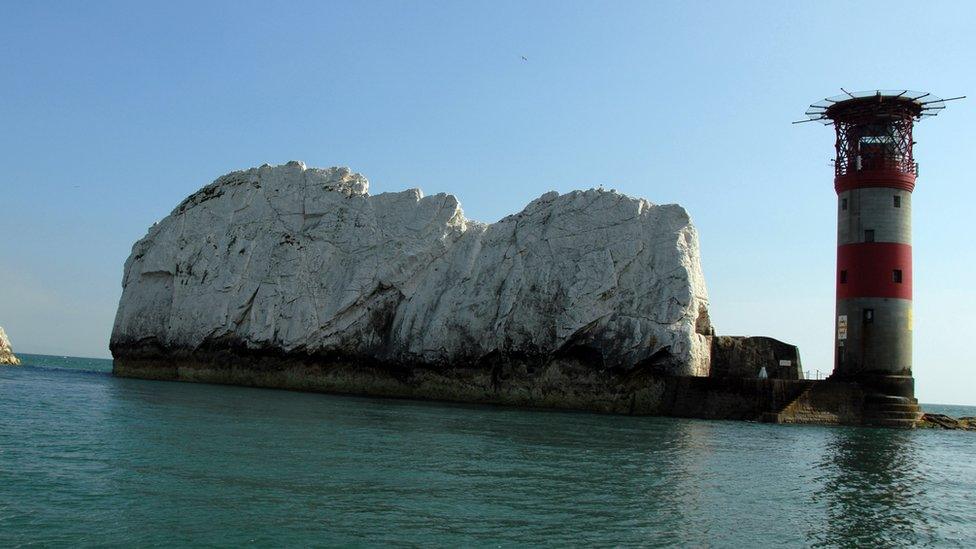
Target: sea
point(87, 459)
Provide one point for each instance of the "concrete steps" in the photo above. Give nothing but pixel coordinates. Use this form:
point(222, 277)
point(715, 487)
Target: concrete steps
point(893, 415)
point(847, 403)
point(886, 422)
point(891, 411)
point(897, 408)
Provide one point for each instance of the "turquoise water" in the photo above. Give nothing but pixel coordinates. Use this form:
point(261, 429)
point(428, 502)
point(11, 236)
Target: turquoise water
point(88, 459)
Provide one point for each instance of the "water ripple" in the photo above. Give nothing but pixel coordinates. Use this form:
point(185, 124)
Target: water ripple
point(88, 459)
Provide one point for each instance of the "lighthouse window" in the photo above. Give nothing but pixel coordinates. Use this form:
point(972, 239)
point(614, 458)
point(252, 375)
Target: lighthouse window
point(869, 235)
point(843, 204)
point(896, 276)
point(897, 201)
point(843, 277)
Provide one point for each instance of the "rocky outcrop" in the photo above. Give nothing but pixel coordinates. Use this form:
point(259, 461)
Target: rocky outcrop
point(942, 421)
point(297, 277)
point(6, 352)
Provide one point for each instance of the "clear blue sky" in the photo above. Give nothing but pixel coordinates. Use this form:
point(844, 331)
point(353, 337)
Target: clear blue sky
point(111, 113)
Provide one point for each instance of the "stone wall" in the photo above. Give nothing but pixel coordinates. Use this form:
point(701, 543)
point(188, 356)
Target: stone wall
point(744, 357)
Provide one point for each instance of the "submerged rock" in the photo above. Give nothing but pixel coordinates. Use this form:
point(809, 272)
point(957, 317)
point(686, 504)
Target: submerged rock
point(942, 421)
point(6, 352)
point(280, 275)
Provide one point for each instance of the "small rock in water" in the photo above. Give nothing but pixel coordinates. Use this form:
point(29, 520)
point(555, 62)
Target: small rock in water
point(942, 421)
point(6, 352)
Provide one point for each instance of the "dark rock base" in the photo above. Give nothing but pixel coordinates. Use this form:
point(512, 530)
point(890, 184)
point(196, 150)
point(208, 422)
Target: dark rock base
point(566, 383)
point(559, 383)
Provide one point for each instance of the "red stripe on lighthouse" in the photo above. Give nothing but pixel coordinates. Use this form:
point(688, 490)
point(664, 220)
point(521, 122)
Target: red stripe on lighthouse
point(871, 269)
point(893, 179)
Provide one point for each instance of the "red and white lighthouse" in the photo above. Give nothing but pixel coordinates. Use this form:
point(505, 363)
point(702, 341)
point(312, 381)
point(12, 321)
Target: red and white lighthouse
point(874, 176)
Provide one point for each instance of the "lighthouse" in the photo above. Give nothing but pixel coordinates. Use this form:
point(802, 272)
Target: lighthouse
point(875, 173)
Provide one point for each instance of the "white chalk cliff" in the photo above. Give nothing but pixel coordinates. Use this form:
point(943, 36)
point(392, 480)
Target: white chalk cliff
point(6, 353)
point(304, 261)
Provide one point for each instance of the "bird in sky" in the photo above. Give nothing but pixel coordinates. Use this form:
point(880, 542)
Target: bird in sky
point(524, 58)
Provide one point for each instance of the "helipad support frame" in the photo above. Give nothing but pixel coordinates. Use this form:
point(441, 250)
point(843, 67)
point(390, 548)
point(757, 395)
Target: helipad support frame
point(874, 177)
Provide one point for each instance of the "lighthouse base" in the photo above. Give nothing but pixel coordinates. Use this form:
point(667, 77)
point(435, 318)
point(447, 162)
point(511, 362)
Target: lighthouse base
point(872, 400)
point(890, 400)
point(890, 385)
point(880, 383)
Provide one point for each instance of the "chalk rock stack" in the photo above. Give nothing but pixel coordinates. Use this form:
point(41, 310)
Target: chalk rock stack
point(296, 277)
point(6, 352)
